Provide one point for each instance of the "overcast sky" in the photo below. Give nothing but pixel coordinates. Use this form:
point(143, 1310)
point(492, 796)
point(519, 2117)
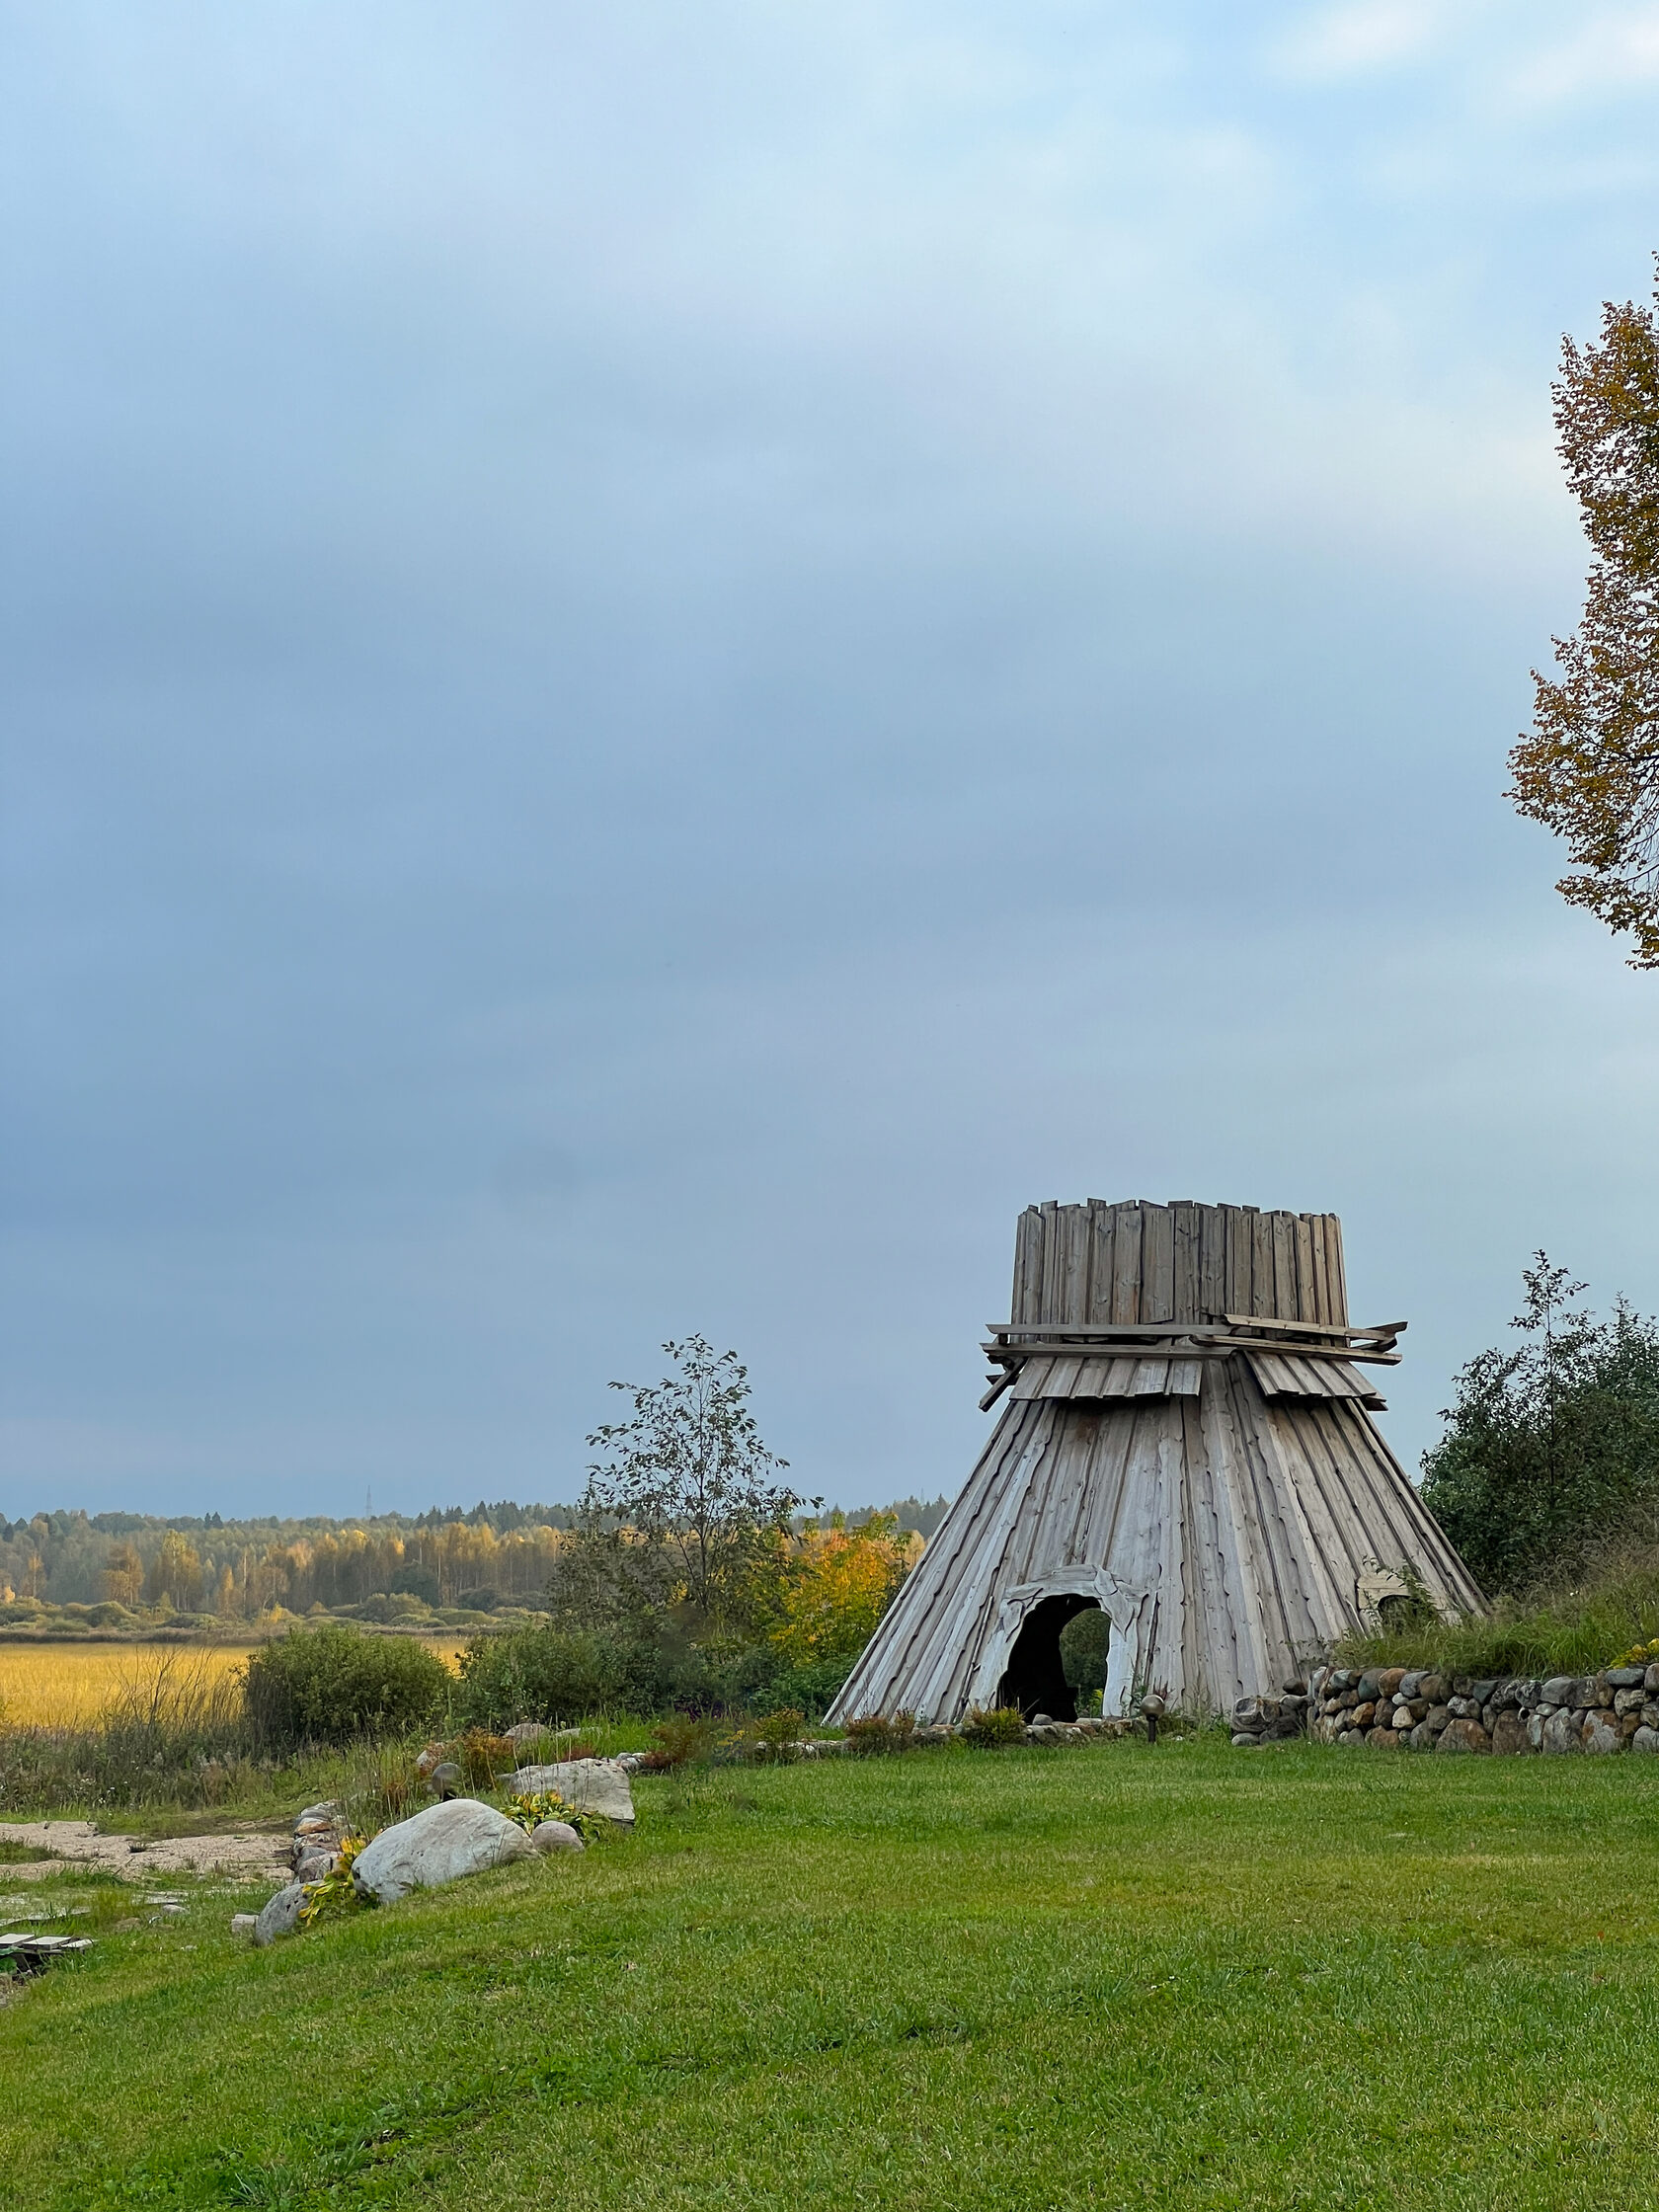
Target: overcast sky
point(660, 661)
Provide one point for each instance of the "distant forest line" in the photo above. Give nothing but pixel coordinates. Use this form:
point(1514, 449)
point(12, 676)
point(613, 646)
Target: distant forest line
point(118, 1572)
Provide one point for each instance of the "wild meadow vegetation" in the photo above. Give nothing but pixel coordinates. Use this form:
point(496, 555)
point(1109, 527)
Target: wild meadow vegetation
point(1547, 1478)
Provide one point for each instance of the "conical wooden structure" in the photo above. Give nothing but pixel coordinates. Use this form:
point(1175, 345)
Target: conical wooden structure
point(1187, 1443)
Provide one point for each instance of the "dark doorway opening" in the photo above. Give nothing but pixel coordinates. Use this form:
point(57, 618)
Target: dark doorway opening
point(1037, 1678)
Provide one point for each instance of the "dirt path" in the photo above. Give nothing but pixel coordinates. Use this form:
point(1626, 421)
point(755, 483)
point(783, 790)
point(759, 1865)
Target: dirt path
point(243, 1857)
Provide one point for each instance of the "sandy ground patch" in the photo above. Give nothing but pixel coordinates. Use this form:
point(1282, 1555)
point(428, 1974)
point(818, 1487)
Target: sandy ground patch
point(242, 1857)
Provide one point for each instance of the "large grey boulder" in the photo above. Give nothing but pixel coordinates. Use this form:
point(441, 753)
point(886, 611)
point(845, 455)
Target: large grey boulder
point(437, 1845)
point(591, 1786)
point(281, 1915)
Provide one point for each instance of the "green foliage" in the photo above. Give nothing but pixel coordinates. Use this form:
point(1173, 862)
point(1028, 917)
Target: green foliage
point(1573, 1627)
point(552, 1675)
point(336, 1895)
point(995, 1729)
point(1546, 1444)
point(1083, 1649)
point(875, 1734)
point(679, 1741)
point(332, 1684)
point(529, 1810)
point(1590, 768)
point(481, 1757)
point(812, 1685)
point(682, 1511)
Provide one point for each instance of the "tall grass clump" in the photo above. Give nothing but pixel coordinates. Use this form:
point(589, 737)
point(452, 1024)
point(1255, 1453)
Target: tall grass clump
point(1571, 1623)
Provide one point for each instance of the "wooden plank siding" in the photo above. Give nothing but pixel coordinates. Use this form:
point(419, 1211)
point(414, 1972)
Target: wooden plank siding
point(1221, 1508)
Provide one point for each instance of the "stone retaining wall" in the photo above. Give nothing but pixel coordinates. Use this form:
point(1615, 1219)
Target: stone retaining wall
point(1394, 1708)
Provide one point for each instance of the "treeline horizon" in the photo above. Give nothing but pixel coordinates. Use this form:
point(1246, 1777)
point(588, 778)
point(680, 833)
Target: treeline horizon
point(241, 1567)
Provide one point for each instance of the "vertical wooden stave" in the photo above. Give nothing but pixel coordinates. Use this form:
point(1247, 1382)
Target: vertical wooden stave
point(1185, 1219)
point(1157, 1263)
point(1307, 1303)
point(1100, 1260)
point(1126, 1264)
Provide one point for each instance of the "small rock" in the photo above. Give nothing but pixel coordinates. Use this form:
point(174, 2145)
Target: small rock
point(1558, 1689)
point(1463, 1735)
point(447, 1777)
point(280, 1916)
point(442, 1844)
point(1645, 1739)
point(1509, 1734)
point(1563, 1731)
point(1464, 1709)
point(1437, 1717)
point(1625, 1678)
point(243, 1924)
point(556, 1835)
point(1433, 1688)
point(1650, 1680)
point(1295, 1688)
point(1627, 1700)
point(314, 1865)
point(1602, 1732)
point(1244, 1740)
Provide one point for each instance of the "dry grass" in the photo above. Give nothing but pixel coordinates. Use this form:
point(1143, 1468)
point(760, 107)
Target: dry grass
point(55, 1685)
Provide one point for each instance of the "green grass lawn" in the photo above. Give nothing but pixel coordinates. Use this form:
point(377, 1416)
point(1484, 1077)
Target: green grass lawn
point(1188, 1977)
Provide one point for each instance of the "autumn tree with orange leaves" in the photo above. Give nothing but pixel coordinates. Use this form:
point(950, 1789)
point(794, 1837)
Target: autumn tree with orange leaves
point(1590, 768)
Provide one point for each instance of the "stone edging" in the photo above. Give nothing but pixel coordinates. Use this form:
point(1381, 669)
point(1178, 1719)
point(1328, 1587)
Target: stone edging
point(1397, 1708)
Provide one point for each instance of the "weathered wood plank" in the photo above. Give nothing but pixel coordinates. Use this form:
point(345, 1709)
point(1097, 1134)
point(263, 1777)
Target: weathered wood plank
point(1126, 1263)
point(1028, 1265)
point(1239, 1232)
point(1338, 1270)
point(1184, 1295)
point(1260, 1301)
point(1100, 1262)
point(1074, 1264)
point(1157, 1263)
point(1308, 1301)
point(1054, 1264)
point(1211, 1261)
point(1284, 1267)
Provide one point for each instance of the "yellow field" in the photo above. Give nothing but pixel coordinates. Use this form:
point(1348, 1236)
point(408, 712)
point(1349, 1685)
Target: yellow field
point(49, 1684)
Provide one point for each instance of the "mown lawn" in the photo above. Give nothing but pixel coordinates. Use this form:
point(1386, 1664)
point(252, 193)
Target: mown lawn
point(1112, 1977)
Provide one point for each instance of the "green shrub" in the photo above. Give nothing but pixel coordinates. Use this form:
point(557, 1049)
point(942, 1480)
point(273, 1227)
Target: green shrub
point(679, 1741)
point(814, 1686)
point(552, 1675)
point(875, 1734)
point(990, 1731)
point(483, 1757)
point(331, 1683)
point(1551, 1443)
